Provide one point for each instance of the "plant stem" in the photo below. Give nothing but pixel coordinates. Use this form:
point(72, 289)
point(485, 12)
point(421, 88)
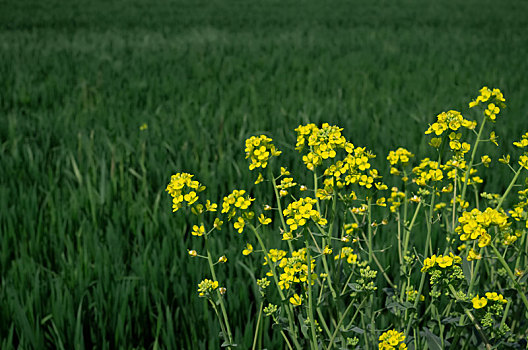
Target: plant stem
point(310, 302)
point(510, 274)
point(341, 321)
point(220, 297)
point(257, 328)
point(473, 153)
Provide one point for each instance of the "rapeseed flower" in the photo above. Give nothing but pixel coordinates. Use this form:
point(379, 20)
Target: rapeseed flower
point(206, 287)
point(259, 150)
point(198, 230)
point(479, 303)
point(248, 250)
point(392, 339)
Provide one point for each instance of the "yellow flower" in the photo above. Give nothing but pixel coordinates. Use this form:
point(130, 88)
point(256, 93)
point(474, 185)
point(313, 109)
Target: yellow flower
point(192, 253)
point(206, 286)
point(486, 160)
point(327, 250)
point(198, 230)
point(222, 259)
point(264, 220)
point(296, 300)
point(496, 297)
point(492, 111)
point(493, 138)
point(479, 303)
point(260, 178)
point(239, 225)
point(143, 127)
point(210, 206)
point(248, 250)
point(444, 261)
point(429, 263)
point(218, 224)
point(473, 255)
point(523, 161)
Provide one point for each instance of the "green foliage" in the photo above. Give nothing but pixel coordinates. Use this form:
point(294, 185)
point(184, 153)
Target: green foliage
point(89, 251)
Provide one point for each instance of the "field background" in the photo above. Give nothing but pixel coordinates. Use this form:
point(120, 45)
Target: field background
point(90, 254)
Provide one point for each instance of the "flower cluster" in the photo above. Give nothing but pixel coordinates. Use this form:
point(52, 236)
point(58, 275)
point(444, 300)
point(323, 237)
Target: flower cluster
point(236, 203)
point(442, 261)
point(400, 156)
point(479, 303)
point(452, 120)
point(475, 224)
point(298, 212)
point(259, 150)
point(347, 252)
point(295, 269)
point(183, 188)
point(495, 99)
point(428, 171)
point(206, 287)
point(323, 143)
point(354, 169)
point(392, 339)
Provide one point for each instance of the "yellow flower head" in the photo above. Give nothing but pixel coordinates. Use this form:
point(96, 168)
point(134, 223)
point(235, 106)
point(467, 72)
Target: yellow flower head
point(259, 150)
point(198, 230)
point(296, 300)
point(206, 287)
point(392, 339)
point(479, 303)
point(183, 188)
point(264, 220)
point(248, 250)
point(473, 255)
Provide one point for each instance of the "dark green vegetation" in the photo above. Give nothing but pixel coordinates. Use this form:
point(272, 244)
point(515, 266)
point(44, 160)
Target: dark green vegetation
point(90, 254)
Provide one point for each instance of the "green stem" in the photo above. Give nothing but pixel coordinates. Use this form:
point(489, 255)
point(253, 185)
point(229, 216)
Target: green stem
point(422, 279)
point(510, 274)
point(341, 321)
point(220, 297)
point(257, 328)
point(310, 302)
point(369, 229)
point(472, 318)
point(512, 183)
point(473, 153)
point(279, 206)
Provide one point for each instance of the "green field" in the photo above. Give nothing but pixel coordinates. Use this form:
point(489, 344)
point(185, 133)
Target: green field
point(90, 254)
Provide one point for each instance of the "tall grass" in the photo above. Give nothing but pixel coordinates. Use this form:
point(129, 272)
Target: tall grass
point(90, 255)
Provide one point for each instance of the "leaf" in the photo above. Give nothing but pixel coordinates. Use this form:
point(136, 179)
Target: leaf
point(467, 270)
point(451, 320)
point(434, 341)
point(357, 330)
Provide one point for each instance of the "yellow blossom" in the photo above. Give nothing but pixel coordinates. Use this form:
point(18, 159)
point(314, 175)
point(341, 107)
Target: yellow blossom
point(264, 220)
point(198, 230)
point(473, 255)
point(296, 300)
point(248, 250)
point(479, 303)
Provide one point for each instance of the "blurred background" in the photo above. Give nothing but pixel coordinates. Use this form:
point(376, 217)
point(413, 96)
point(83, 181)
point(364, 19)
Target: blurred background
point(90, 254)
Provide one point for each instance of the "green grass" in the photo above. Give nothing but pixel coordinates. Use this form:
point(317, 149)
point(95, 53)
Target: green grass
point(90, 254)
